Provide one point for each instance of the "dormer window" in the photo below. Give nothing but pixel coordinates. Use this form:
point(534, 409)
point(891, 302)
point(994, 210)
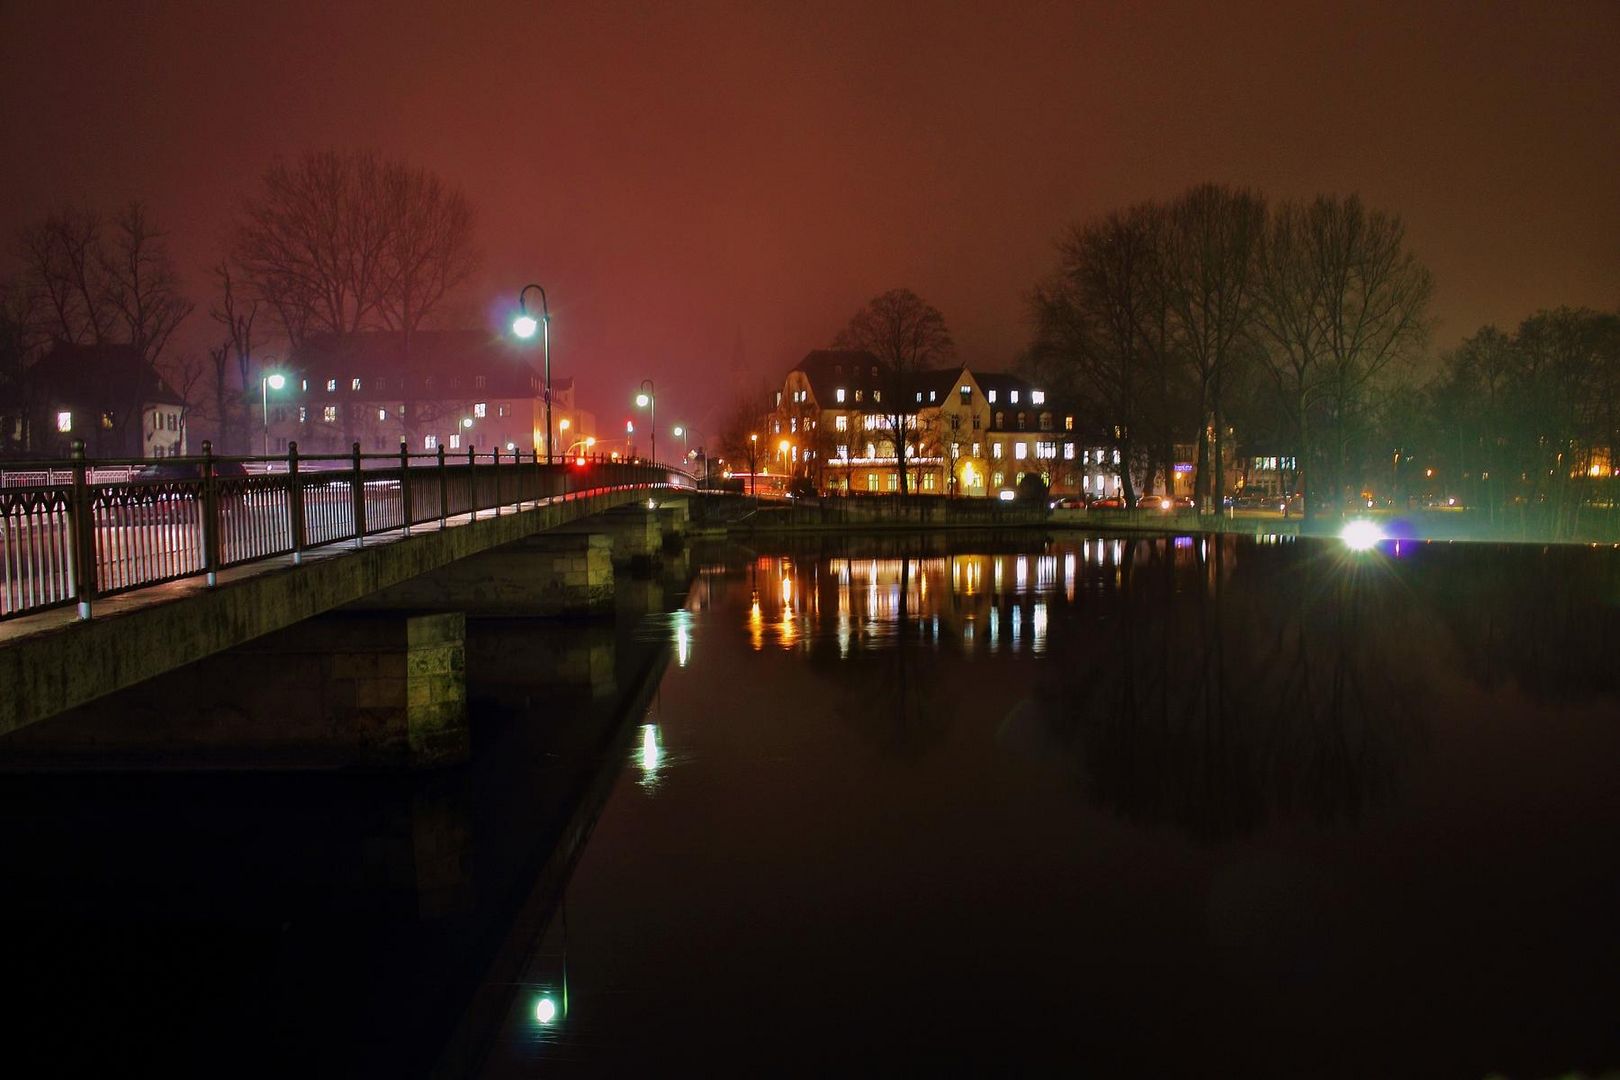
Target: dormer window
point(990, 396)
point(932, 396)
point(919, 397)
point(1012, 395)
point(1037, 397)
point(966, 392)
point(839, 395)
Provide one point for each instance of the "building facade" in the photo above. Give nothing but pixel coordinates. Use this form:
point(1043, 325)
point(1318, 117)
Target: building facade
point(455, 390)
point(109, 397)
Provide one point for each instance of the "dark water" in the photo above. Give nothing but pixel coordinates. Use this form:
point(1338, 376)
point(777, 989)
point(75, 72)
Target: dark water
point(1115, 808)
point(957, 804)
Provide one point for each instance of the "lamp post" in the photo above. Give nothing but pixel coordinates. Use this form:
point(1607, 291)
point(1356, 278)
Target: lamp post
point(683, 433)
point(275, 380)
point(753, 469)
point(648, 399)
point(524, 326)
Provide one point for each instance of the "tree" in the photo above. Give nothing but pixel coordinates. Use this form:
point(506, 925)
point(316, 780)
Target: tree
point(236, 316)
point(1209, 267)
point(341, 242)
point(908, 336)
point(1094, 323)
point(1341, 301)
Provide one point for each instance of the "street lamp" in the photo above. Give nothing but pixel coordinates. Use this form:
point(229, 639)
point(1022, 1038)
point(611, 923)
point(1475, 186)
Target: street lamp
point(648, 400)
point(753, 469)
point(683, 433)
point(273, 381)
point(524, 326)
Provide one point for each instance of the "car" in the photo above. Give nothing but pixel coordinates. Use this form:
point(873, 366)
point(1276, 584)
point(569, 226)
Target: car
point(1069, 502)
point(187, 470)
point(1112, 502)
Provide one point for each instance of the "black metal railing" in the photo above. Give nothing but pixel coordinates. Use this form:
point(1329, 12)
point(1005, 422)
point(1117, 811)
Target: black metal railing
point(73, 531)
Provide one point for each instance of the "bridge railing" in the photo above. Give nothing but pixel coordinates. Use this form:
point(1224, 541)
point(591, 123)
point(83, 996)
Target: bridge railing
point(77, 533)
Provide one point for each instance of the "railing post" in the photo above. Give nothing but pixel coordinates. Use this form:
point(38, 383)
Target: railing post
point(210, 516)
point(295, 502)
point(444, 489)
point(472, 481)
point(405, 485)
point(497, 479)
point(81, 523)
point(358, 490)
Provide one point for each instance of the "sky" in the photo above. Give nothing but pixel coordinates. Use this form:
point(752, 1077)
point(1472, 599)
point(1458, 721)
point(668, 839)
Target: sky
point(694, 183)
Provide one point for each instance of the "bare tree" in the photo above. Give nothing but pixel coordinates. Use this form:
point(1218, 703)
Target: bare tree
point(1095, 319)
point(1210, 264)
point(62, 271)
point(908, 336)
point(140, 284)
point(341, 242)
point(1342, 300)
point(235, 315)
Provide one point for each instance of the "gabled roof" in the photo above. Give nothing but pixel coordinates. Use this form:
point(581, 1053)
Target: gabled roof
point(853, 369)
point(452, 358)
point(932, 385)
point(100, 376)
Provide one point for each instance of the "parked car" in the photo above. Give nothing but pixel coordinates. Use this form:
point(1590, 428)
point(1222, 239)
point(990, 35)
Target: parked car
point(1112, 502)
point(187, 470)
point(1069, 502)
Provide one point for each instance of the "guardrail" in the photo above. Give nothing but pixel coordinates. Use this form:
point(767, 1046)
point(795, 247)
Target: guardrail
point(77, 536)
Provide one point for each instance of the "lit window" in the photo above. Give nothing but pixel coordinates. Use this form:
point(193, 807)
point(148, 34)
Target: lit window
point(303, 384)
point(303, 414)
point(1019, 450)
point(995, 451)
point(1037, 397)
point(996, 479)
point(840, 422)
point(967, 392)
point(932, 396)
point(839, 394)
point(871, 450)
point(64, 422)
point(956, 449)
point(481, 409)
point(976, 450)
point(382, 414)
point(501, 410)
point(1012, 395)
point(843, 450)
point(430, 442)
point(919, 395)
point(455, 442)
point(331, 385)
point(354, 384)
point(877, 395)
point(1068, 423)
point(779, 397)
point(857, 395)
point(329, 414)
point(1068, 451)
point(990, 396)
point(793, 424)
point(894, 482)
point(106, 421)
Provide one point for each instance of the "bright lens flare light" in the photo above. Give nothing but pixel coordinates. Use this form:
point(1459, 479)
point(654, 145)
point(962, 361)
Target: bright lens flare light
point(545, 1011)
point(276, 382)
point(1360, 535)
point(524, 326)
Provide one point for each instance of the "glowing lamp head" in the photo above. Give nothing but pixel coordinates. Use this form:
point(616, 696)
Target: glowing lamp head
point(679, 431)
point(466, 421)
point(276, 381)
point(642, 401)
point(524, 326)
point(1361, 535)
point(545, 1011)
point(590, 440)
point(563, 424)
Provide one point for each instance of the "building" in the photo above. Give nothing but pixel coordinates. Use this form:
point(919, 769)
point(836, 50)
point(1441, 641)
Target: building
point(966, 433)
point(106, 395)
point(451, 389)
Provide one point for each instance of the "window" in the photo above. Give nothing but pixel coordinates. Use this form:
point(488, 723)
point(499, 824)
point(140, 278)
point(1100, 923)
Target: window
point(990, 396)
point(481, 409)
point(478, 384)
point(894, 481)
point(843, 450)
point(776, 427)
point(977, 420)
point(1020, 450)
point(1046, 450)
point(303, 414)
point(779, 398)
point(1037, 397)
point(1068, 451)
point(1001, 419)
point(303, 384)
point(502, 410)
point(354, 384)
point(64, 422)
point(871, 479)
point(871, 450)
point(1021, 422)
point(331, 386)
point(1068, 423)
point(956, 423)
point(382, 414)
point(793, 425)
point(1012, 396)
point(995, 451)
point(928, 481)
point(106, 421)
point(956, 449)
point(174, 421)
point(1046, 421)
point(966, 392)
point(932, 396)
point(455, 441)
point(157, 451)
point(877, 395)
point(869, 422)
point(329, 414)
point(919, 397)
point(838, 395)
point(976, 450)
point(996, 479)
point(430, 442)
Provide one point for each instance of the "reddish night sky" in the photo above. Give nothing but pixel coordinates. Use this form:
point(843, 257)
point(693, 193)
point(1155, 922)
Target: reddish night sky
point(678, 175)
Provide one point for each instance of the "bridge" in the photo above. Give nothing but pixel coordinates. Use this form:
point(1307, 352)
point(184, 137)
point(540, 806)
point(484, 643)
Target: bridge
point(113, 574)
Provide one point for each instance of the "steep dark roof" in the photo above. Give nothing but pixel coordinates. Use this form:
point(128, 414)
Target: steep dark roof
point(453, 359)
point(937, 383)
point(105, 377)
point(853, 369)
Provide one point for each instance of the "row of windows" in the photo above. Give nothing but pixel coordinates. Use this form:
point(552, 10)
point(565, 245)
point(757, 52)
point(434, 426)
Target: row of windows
point(329, 413)
point(479, 382)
